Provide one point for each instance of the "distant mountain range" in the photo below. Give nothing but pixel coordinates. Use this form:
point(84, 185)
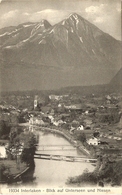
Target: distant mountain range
point(73, 52)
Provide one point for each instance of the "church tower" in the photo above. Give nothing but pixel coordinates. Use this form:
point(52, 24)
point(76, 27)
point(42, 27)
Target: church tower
point(35, 102)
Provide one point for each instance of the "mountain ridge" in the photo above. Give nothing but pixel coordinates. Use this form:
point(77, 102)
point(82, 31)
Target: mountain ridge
point(72, 52)
point(117, 80)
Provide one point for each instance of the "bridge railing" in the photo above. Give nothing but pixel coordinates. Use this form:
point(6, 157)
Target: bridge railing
point(64, 158)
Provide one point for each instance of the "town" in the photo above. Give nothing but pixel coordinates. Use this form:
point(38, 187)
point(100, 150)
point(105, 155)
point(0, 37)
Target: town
point(92, 122)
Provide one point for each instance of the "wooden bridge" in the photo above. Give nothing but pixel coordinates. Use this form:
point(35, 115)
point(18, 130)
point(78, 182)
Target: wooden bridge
point(65, 158)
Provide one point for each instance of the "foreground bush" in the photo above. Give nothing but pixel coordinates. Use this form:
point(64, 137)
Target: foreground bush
point(106, 173)
point(4, 173)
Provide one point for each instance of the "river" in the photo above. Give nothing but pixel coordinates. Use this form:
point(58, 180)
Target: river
point(50, 173)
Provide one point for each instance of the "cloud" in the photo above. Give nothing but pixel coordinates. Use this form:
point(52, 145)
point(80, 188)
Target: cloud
point(95, 9)
point(99, 20)
point(97, 14)
point(118, 9)
point(46, 11)
point(9, 18)
point(102, 11)
point(26, 14)
point(15, 17)
point(92, 9)
point(51, 15)
point(106, 17)
point(10, 14)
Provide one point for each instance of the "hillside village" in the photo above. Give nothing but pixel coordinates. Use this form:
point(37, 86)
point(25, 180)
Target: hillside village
point(92, 123)
point(95, 121)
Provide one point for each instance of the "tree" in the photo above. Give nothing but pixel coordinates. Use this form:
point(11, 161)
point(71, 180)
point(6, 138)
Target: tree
point(29, 149)
point(4, 129)
point(14, 119)
point(4, 173)
point(14, 135)
point(81, 137)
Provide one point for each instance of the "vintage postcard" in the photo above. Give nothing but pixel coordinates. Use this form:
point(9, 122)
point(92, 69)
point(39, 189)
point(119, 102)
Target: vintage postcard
point(60, 97)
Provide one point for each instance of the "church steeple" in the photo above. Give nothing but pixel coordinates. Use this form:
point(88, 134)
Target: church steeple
point(35, 102)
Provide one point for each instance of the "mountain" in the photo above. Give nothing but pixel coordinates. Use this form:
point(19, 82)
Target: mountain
point(116, 82)
point(71, 53)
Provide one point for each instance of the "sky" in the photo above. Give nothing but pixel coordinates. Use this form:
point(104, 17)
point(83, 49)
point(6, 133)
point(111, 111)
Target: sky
point(105, 14)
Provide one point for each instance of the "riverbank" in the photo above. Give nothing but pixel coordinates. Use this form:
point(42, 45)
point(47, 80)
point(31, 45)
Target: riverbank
point(69, 137)
point(63, 133)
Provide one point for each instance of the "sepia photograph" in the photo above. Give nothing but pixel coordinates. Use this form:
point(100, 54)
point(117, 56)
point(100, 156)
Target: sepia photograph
point(60, 97)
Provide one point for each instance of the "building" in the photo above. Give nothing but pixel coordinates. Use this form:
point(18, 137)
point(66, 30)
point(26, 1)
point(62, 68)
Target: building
point(3, 152)
point(80, 128)
point(73, 107)
point(55, 97)
point(93, 141)
point(36, 121)
point(88, 123)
